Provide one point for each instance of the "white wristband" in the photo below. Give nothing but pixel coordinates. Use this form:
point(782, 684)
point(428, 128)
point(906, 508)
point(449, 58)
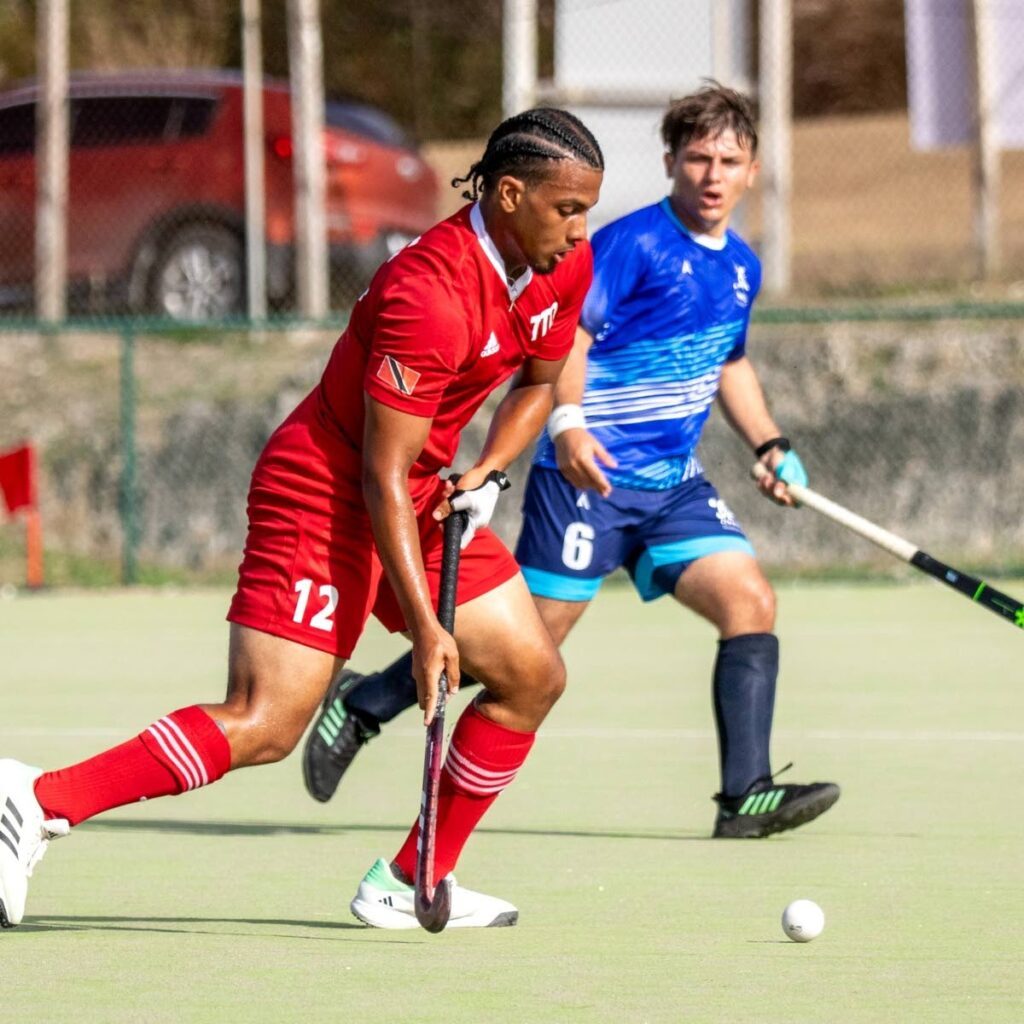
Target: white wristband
point(565, 417)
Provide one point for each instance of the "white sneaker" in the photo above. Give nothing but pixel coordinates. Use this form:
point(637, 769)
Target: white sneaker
point(24, 837)
point(383, 901)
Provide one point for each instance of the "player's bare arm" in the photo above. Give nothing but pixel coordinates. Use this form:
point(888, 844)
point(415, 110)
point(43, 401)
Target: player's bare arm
point(742, 401)
point(577, 450)
point(392, 442)
point(521, 414)
point(516, 423)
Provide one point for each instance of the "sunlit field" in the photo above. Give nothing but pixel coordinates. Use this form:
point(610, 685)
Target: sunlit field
point(231, 904)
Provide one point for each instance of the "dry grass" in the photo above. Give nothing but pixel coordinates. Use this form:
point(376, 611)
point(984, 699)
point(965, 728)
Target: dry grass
point(869, 213)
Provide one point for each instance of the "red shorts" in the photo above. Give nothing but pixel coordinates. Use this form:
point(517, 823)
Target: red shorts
point(315, 577)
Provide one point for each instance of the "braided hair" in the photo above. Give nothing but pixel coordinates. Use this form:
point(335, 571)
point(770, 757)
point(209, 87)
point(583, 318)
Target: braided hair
point(525, 145)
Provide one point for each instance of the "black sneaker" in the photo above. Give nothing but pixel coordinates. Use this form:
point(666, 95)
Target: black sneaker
point(334, 740)
point(769, 807)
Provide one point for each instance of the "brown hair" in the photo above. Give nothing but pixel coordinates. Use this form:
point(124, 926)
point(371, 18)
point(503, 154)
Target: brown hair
point(706, 114)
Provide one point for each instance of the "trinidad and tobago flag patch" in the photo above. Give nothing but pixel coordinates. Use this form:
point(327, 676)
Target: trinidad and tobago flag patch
point(400, 377)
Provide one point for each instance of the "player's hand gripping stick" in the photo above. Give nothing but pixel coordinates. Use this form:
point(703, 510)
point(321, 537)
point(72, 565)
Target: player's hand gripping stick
point(970, 586)
point(434, 900)
point(478, 504)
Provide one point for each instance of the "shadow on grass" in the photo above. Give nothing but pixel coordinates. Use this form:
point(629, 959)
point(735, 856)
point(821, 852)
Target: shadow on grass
point(193, 926)
point(262, 828)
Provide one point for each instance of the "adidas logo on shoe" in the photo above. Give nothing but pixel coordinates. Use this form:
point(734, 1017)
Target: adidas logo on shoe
point(771, 809)
point(386, 901)
point(334, 740)
point(24, 837)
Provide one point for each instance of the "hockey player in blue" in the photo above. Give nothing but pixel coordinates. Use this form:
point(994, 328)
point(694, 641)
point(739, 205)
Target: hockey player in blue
point(616, 481)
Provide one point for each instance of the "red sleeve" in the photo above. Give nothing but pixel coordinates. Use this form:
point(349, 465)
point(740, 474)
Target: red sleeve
point(558, 341)
point(420, 338)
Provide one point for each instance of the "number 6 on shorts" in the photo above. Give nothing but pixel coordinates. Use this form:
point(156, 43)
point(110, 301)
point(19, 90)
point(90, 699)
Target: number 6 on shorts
point(578, 545)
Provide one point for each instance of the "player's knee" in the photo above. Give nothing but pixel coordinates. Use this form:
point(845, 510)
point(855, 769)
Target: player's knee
point(538, 680)
point(549, 679)
point(759, 598)
point(274, 747)
point(258, 737)
point(556, 680)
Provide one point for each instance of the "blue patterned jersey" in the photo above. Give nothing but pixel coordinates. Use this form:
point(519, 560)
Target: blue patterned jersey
point(667, 309)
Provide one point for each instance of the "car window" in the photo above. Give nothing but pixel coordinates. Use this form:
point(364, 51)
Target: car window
point(366, 121)
point(196, 115)
point(17, 129)
point(117, 120)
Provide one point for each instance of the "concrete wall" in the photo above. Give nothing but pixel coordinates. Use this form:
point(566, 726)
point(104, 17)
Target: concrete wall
point(916, 426)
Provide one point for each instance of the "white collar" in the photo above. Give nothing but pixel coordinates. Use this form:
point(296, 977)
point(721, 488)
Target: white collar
point(516, 287)
point(708, 241)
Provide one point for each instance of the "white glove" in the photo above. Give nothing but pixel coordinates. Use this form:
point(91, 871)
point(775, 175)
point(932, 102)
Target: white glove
point(478, 504)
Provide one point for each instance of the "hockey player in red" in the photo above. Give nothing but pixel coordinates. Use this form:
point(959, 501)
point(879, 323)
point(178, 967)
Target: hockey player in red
point(344, 521)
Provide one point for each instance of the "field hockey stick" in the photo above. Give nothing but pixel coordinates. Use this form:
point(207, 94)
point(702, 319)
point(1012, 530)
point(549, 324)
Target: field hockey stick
point(434, 902)
point(970, 586)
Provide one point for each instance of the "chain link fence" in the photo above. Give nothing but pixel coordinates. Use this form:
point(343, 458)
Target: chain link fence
point(156, 179)
point(147, 435)
point(887, 197)
point(147, 443)
point(156, 197)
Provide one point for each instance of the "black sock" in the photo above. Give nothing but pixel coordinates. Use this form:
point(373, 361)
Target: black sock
point(744, 695)
point(385, 694)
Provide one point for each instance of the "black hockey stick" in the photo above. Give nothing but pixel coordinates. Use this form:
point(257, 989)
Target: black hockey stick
point(970, 586)
point(434, 899)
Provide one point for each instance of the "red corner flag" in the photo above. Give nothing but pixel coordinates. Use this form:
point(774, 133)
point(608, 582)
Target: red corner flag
point(18, 477)
point(18, 486)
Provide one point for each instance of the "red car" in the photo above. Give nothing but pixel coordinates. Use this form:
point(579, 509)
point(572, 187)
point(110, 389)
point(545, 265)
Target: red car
point(156, 193)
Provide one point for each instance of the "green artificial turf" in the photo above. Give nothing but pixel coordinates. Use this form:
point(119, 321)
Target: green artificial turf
point(231, 904)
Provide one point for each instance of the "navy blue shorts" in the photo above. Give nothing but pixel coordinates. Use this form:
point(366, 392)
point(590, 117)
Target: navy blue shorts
point(572, 539)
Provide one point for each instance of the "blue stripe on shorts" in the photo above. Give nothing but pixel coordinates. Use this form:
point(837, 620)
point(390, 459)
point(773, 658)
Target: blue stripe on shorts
point(681, 553)
point(560, 588)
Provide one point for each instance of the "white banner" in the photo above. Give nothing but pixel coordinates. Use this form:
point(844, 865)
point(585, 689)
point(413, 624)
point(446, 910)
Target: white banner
point(940, 77)
point(628, 47)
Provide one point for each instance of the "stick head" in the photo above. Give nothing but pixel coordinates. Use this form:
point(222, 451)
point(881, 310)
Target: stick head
point(433, 914)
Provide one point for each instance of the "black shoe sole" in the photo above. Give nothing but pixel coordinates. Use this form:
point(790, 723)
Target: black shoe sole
point(794, 814)
point(4, 919)
point(343, 683)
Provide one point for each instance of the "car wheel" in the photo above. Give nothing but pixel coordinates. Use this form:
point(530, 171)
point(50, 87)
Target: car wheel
point(199, 274)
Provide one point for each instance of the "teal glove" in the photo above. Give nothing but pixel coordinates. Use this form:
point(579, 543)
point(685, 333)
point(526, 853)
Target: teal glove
point(791, 470)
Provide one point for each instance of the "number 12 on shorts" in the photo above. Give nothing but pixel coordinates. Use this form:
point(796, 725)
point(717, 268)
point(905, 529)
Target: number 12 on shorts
point(322, 619)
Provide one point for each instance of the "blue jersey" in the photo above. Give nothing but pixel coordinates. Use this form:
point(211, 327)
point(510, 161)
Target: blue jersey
point(667, 309)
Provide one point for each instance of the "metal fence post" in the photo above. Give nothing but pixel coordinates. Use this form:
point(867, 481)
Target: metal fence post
point(305, 68)
point(127, 497)
point(519, 56)
point(985, 153)
point(255, 187)
point(52, 175)
point(776, 99)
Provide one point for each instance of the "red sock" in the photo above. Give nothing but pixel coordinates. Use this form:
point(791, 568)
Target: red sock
point(482, 760)
point(182, 751)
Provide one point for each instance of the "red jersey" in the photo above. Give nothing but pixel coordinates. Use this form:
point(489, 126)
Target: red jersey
point(439, 329)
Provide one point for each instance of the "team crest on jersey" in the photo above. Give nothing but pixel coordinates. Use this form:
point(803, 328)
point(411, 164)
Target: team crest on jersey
point(541, 323)
point(400, 377)
point(724, 514)
point(741, 286)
